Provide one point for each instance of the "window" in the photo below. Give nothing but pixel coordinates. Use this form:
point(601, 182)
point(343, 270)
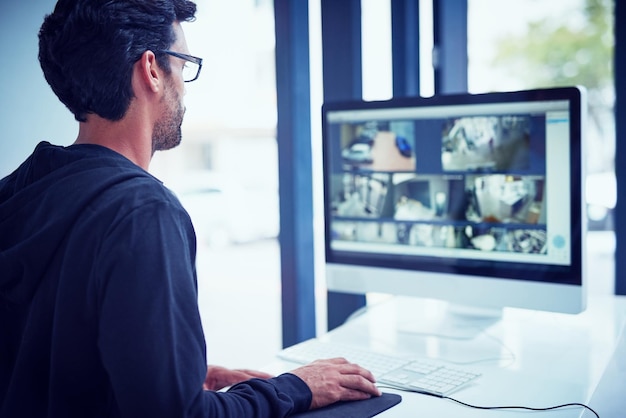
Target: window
point(556, 43)
point(226, 174)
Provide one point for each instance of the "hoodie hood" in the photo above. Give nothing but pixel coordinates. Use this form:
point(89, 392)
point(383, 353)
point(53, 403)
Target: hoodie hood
point(39, 204)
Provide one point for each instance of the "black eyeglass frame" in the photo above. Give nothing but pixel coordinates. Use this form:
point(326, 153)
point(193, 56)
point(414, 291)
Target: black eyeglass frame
point(190, 58)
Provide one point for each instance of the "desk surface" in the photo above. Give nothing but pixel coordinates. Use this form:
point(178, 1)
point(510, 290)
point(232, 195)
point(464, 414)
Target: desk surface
point(608, 399)
point(528, 358)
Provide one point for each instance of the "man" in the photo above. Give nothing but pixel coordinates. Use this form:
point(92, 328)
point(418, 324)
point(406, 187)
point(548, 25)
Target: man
point(98, 309)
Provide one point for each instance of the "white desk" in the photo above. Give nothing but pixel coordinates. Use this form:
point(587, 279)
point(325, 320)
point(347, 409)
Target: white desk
point(529, 358)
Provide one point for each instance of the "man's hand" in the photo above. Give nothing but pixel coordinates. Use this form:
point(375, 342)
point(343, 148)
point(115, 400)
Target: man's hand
point(337, 380)
point(220, 377)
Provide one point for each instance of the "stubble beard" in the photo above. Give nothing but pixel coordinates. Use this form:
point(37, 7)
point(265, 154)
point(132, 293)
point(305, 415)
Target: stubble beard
point(167, 132)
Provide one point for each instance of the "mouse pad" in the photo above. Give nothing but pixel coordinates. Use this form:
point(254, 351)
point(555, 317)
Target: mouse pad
point(354, 409)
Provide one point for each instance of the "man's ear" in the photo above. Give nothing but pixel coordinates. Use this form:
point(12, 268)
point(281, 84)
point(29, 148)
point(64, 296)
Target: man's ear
point(150, 74)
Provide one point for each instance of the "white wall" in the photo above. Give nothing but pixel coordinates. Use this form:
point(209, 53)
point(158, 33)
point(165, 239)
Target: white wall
point(29, 111)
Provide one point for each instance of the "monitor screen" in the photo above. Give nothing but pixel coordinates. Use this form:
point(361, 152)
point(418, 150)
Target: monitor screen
point(472, 199)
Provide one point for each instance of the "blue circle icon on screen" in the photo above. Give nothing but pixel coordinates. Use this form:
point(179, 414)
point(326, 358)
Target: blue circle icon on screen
point(558, 241)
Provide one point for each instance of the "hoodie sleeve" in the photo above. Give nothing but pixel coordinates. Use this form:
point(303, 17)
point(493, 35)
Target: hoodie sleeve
point(151, 339)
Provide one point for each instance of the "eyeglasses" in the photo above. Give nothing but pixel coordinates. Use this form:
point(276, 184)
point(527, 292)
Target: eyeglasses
point(191, 70)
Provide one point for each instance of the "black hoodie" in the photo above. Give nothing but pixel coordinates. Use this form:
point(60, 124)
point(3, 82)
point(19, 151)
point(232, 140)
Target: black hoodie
point(98, 298)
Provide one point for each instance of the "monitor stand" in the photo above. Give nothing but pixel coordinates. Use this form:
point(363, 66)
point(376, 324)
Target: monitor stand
point(448, 320)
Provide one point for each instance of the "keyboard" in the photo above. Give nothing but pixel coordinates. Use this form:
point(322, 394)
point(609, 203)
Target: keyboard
point(417, 375)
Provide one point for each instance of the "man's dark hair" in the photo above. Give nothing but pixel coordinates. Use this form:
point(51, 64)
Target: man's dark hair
point(87, 49)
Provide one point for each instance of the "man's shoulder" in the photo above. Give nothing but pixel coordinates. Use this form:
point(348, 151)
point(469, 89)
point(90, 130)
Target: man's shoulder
point(99, 168)
point(106, 180)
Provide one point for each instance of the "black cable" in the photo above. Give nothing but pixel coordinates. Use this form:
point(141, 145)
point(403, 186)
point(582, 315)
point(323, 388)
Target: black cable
point(528, 408)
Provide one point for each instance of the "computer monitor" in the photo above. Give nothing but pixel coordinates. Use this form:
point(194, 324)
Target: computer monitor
point(473, 199)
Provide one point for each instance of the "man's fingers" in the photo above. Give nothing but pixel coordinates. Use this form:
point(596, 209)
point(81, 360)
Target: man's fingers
point(355, 369)
point(355, 395)
point(349, 368)
point(360, 383)
point(356, 377)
